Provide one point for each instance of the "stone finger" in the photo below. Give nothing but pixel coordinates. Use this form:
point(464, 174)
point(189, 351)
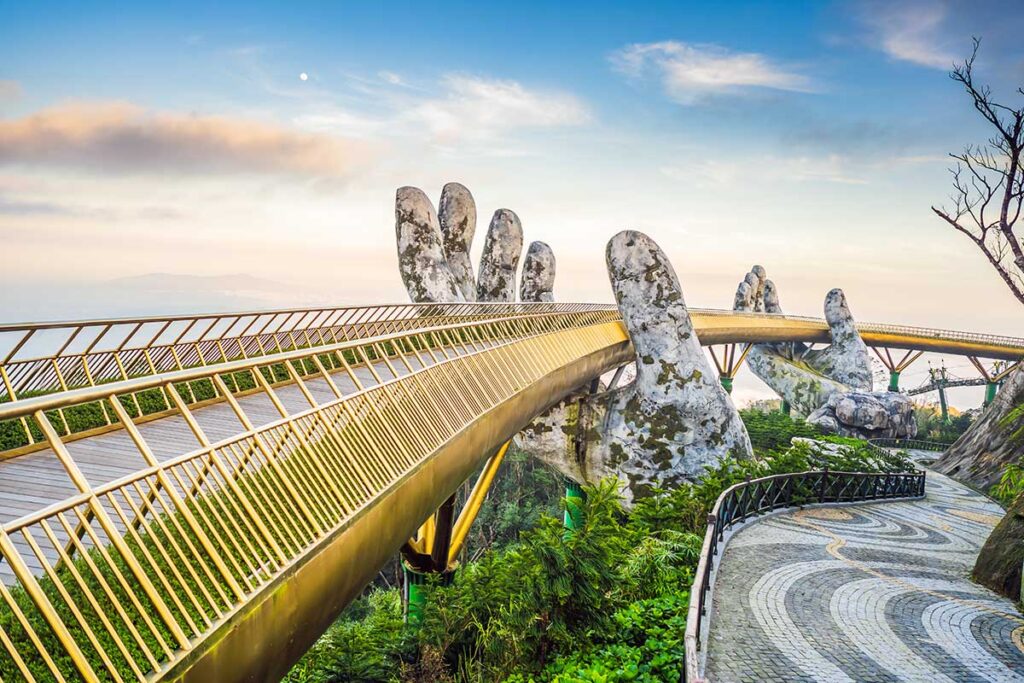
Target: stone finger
point(421, 259)
point(846, 360)
point(457, 215)
point(497, 277)
point(538, 280)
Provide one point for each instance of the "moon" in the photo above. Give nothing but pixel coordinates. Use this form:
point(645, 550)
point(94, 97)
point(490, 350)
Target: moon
point(303, 76)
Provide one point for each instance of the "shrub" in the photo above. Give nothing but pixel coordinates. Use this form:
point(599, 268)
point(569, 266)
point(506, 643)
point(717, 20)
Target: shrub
point(772, 431)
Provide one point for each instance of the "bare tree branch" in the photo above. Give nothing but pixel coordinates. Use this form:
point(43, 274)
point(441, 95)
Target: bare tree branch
point(990, 176)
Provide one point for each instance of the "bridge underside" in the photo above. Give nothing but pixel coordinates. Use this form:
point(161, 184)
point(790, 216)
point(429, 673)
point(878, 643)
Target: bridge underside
point(288, 614)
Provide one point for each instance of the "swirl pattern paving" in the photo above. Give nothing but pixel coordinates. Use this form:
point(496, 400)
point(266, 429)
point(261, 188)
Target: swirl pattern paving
point(872, 592)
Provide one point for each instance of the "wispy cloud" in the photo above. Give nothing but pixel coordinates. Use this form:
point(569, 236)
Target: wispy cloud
point(832, 168)
point(30, 208)
point(910, 31)
point(691, 72)
point(117, 137)
point(391, 77)
point(472, 107)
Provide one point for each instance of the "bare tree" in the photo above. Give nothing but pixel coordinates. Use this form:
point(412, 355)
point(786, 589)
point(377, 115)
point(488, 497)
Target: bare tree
point(988, 182)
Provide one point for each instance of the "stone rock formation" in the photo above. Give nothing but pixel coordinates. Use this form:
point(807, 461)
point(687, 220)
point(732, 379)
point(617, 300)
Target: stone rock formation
point(457, 214)
point(866, 415)
point(433, 252)
point(978, 459)
point(831, 387)
point(538, 282)
point(663, 428)
point(673, 420)
point(980, 455)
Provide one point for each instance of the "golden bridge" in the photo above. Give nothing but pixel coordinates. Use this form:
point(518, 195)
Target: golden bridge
point(198, 497)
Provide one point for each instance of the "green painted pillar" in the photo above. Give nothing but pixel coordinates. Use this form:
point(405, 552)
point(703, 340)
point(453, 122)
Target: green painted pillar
point(785, 408)
point(991, 388)
point(942, 400)
point(727, 383)
point(894, 380)
point(574, 497)
point(414, 585)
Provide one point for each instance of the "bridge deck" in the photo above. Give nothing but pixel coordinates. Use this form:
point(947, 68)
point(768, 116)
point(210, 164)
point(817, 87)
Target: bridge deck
point(37, 480)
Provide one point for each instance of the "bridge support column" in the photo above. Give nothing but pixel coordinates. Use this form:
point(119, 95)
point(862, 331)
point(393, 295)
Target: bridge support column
point(895, 367)
point(894, 381)
point(729, 365)
point(413, 596)
point(574, 497)
point(942, 400)
point(427, 556)
point(436, 548)
point(991, 389)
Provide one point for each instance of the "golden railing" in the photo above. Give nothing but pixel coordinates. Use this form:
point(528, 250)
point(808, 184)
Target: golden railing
point(90, 352)
point(142, 578)
point(723, 327)
point(40, 358)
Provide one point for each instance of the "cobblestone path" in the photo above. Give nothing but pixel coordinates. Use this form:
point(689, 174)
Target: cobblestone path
point(874, 592)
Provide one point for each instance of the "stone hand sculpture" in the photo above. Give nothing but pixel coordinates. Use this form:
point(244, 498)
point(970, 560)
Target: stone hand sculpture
point(655, 432)
point(831, 387)
point(433, 251)
point(668, 424)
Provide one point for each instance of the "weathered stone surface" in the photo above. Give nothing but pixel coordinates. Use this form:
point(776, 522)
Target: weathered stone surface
point(497, 278)
point(978, 458)
point(866, 415)
point(421, 259)
point(538, 281)
point(846, 360)
point(806, 377)
point(661, 429)
point(832, 385)
point(674, 419)
point(1000, 560)
point(980, 455)
point(457, 214)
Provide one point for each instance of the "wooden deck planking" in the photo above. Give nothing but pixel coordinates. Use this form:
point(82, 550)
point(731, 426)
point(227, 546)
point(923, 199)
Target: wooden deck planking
point(37, 480)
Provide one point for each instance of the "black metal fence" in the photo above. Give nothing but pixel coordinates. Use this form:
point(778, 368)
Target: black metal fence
point(910, 444)
point(756, 496)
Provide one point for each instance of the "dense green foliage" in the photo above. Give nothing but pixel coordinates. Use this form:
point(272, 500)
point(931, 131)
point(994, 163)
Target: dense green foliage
point(524, 490)
point(605, 602)
point(1011, 483)
point(774, 430)
point(931, 426)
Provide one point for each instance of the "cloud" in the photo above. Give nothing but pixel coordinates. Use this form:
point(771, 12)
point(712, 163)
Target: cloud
point(122, 138)
point(910, 31)
point(692, 72)
point(832, 168)
point(9, 90)
point(480, 108)
point(30, 208)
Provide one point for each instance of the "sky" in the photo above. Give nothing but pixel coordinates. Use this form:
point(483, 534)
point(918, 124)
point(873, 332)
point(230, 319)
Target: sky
point(161, 158)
